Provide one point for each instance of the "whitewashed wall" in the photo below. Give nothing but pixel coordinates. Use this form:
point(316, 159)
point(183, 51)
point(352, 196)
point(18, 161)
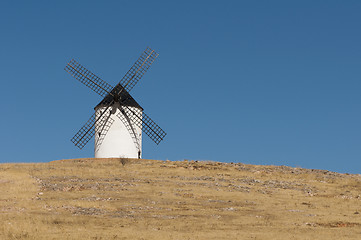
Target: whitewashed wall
point(117, 142)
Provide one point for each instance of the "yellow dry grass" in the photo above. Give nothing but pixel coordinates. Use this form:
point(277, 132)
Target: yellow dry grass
point(148, 199)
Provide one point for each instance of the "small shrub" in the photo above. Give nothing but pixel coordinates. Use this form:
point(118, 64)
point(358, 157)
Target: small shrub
point(124, 161)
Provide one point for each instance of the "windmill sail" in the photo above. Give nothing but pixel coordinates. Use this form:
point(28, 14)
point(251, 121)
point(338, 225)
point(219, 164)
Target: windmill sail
point(88, 78)
point(137, 71)
point(148, 126)
point(82, 137)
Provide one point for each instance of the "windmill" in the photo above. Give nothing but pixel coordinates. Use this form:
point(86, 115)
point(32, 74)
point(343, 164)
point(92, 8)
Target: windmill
point(118, 120)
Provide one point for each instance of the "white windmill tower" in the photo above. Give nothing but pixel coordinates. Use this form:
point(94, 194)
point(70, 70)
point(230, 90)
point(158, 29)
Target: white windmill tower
point(118, 120)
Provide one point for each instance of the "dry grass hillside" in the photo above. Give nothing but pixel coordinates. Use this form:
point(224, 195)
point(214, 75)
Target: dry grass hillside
point(148, 199)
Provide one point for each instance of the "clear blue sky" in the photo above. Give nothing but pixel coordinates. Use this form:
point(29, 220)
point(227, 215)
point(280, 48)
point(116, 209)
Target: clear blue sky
point(260, 82)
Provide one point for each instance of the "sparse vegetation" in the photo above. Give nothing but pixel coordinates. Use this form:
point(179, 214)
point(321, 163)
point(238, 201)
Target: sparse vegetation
point(123, 161)
point(148, 199)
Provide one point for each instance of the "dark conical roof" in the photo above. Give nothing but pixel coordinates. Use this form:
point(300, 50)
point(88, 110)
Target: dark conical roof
point(126, 98)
